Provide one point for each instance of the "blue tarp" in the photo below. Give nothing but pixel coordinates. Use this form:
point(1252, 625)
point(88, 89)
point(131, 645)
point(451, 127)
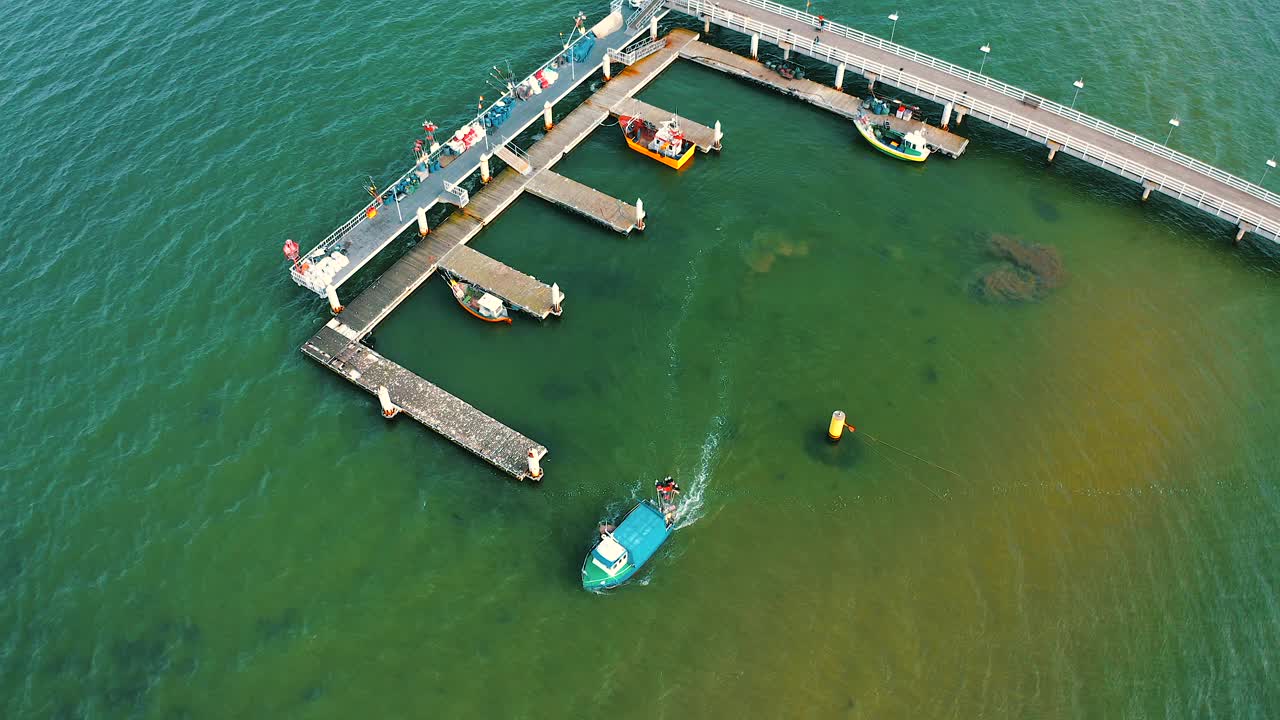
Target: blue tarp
point(642, 533)
point(582, 49)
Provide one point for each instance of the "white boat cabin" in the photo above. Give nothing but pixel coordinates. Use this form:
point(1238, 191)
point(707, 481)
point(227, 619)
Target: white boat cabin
point(609, 555)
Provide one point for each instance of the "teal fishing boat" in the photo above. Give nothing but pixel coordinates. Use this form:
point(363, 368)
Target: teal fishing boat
point(621, 551)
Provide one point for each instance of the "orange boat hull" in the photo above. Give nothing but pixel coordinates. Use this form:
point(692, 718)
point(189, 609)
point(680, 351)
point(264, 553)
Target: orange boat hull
point(676, 163)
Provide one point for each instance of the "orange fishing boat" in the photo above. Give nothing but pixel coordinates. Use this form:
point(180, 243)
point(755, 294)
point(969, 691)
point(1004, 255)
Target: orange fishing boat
point(483, 305)
point(663, 142)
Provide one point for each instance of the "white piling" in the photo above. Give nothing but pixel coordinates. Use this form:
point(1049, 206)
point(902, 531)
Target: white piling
point(755, 46)
point(946, 114)
point(608, 71)
point(422, 222)
point(1053, 152)
point(546, 115)
point(653, 28)
point(332, 292)
point(960, 111)
point(389, 409)
point(535, 468)
point(1146, 192)
point(639, 213)
point(786, 53)
point(706, 25)
point(717, 136)
point(840, 76)
point(484, 168)
point(556, 298)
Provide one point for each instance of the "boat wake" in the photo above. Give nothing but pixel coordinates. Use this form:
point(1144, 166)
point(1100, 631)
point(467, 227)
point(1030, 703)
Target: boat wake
point(695, 492)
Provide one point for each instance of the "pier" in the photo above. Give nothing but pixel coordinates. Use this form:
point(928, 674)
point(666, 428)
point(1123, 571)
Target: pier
point(521, 291)
point(965, 92)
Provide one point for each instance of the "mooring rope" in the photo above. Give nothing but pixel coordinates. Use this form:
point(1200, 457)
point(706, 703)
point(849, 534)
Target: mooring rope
point(904, 452)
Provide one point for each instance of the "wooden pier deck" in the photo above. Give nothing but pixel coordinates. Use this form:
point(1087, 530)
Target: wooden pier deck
point(585, 201)
point(471, 429)
point(817, 94)
point(696, 133)
point(524, 292)
point(1252, 208)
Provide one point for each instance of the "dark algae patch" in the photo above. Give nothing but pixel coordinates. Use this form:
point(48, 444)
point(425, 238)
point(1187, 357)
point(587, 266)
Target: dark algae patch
point(1024, 271)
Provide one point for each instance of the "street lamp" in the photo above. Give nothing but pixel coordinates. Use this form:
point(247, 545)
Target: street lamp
point(894, 18)
point(1270, 164)
point(1079, 86)
point(986, 50)
point(1173, 123)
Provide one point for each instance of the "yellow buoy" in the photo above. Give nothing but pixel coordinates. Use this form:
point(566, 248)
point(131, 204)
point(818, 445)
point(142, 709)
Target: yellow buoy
point(836, 428)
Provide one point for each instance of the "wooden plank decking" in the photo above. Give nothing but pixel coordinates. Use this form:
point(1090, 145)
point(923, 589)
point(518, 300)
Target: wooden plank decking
point(817, 94)
point(471, 429)
point(524, 292)
point(1114, 149)
point(585, 201)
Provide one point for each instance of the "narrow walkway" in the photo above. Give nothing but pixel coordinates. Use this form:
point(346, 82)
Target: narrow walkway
point(444, 413)
point(585, 201)
point(816, 94)
point(1088, 138)
point(524, 292)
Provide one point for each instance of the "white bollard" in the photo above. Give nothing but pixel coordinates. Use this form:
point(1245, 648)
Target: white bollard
point(960, 111)
point(556, 298)
point(608, 72)
point(535, 468)
point(546, 115)
point(484, 168)
point(389, 409)
point(946, 114)
point(786, 53)
point(755, 46)
point(639, 213)
point(422, 222)
point(334, 305)
point(706, 25)
point(653, 28)
point(840, 76)
point(718, 136)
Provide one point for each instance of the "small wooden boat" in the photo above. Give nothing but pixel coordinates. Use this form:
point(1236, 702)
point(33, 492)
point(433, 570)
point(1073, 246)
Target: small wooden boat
point(621, 551)
point(663, 142)
point(488, 308)
point(909, 146)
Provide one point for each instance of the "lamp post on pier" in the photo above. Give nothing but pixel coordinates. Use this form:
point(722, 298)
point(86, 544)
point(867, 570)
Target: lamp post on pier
point(1079, 86)
point(1173, 123)
point(894, 17)
point(986, 50)
point(1270, 164)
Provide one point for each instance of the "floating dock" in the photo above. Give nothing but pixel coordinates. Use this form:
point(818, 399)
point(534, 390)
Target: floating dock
point(817, 94)
point(966, 92)
point(521, 291)
point(707, 139)
point(585, 201)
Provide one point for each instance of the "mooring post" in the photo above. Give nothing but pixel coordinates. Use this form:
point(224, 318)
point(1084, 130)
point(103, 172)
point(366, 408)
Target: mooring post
point(608, 71)
point(484, 168)
point(960, 113)
point(706, 24)
point(871, 81)
point(546, 115)
point(556, 298)
point(755, 46)
point(836, 428)
point(717, 136)
point(639, 213)
point(840, 76)
point(946, 115)
point(535, 468)
point(422, 222)
point(653, 28)
point(332, 293)
point(389, 409)
point(1147, 187)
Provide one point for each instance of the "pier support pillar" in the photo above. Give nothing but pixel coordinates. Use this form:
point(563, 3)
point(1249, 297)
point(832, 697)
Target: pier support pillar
point(332, 293)
point(546, 115)
point(653, 28)
point(608, 71)
point(556, 298)
point(1240, 231)
point(946, 115)
point(485, 175)
point(389, 409)
point(1147, 187)
point(422, 222)
point(840, 76)
point(960, 113)
point(535, 467)
point(755, 46)
point(871, 81)
point(706, 25)
point(1053, 150)
point(717, 136)
point(786, 53)
point(639, 213)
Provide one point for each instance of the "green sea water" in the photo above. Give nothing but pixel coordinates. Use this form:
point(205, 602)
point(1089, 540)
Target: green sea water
point(199, 522)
